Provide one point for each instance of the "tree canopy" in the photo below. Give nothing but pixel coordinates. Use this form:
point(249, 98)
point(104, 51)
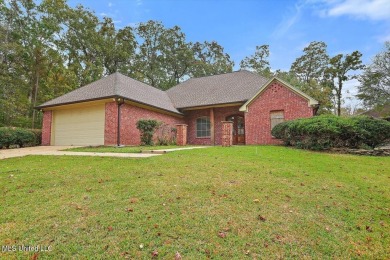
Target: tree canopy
point(374, 89)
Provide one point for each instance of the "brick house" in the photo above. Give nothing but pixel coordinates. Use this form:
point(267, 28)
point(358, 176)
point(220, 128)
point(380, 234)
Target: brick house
point(198, 107)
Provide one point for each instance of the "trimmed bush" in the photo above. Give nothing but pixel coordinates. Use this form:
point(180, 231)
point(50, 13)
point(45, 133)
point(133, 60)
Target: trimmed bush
point(147, 127)
point(10, 136)
point(324, 132)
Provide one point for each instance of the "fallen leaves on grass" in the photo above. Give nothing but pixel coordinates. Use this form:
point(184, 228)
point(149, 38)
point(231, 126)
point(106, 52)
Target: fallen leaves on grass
point(261, 218)
point(222, 234)
point(155, 254)
point(178, 256)
point(256, 200)
point(34, 256)
point(129, 210)
point(133, 200)
point(368, 228)
point(110, 228)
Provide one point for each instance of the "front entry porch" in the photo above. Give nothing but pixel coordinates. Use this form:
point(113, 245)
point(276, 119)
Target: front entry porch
point(238, 128)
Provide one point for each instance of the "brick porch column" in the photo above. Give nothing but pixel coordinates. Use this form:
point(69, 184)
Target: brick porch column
point(227, 133)
point(181, 134)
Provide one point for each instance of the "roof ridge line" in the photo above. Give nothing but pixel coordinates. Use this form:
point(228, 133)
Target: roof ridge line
point(116, 84)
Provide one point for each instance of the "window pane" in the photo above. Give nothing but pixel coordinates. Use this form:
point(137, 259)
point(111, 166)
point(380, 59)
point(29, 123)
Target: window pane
point(277, 117)
point(203, 127)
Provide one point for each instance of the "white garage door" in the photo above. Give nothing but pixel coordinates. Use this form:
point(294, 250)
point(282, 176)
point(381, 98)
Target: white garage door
point(79, 126)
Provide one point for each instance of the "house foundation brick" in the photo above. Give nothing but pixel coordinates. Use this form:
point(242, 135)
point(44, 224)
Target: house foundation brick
point(181, 134)
point(46, 127)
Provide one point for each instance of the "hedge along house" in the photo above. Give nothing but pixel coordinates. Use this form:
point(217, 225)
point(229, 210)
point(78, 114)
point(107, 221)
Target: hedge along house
point(105, 112)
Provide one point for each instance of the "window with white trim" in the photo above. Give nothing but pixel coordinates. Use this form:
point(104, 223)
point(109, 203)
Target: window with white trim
point(203, 127)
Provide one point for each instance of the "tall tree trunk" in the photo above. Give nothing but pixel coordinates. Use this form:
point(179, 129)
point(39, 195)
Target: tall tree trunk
point(339, 98)
point(36, 86)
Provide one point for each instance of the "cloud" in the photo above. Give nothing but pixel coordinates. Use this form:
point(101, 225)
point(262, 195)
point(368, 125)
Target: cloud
point(288, 22)
point(138, 2)
point(360, 9)
point(110, 4)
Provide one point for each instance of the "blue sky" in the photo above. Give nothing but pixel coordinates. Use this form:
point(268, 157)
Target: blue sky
point(286, 25)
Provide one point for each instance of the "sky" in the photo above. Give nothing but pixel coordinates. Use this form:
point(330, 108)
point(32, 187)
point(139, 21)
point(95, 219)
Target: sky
point(287, 26)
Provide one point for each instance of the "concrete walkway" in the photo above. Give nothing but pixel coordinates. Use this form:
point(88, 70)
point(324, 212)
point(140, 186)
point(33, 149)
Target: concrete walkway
point(162, 151)
point(56, 150)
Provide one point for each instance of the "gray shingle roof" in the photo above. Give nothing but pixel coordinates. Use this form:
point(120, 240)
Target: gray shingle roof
point(116, 85)
point(233, 87)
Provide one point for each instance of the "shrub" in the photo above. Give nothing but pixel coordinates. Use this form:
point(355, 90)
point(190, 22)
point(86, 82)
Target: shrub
point(6, 137)
point(16, 136)
point(38, 136)
point(147, 127)
point(324, 132)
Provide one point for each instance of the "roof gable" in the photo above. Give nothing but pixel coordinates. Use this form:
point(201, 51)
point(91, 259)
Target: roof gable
point(311, 101)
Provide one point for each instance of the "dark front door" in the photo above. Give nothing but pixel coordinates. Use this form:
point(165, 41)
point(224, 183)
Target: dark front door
point(238, 128)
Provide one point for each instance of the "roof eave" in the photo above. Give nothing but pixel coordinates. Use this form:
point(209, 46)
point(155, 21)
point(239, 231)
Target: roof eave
point(75, 102)
point(233, 103)
point(102, 98)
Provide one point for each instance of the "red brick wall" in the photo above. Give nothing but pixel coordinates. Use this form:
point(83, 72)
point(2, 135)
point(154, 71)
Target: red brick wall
point(220, 115)
point(130, 135)
point(275, 97)
point(111, 124)
point(46, 127)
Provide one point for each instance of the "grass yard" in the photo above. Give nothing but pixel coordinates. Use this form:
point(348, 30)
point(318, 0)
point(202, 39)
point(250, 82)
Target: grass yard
point(221, 203)
point(124, 149)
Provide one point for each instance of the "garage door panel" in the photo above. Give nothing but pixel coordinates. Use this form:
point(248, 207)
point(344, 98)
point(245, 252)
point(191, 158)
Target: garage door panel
point(79, 126)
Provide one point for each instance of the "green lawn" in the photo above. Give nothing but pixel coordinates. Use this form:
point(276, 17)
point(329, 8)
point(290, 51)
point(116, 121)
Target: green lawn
point(221, 203)
point(124, 149)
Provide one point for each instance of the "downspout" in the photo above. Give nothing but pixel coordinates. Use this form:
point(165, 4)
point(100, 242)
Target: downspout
point(120, 102)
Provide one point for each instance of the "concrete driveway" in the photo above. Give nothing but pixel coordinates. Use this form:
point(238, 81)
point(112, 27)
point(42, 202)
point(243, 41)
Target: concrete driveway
point(56, 150)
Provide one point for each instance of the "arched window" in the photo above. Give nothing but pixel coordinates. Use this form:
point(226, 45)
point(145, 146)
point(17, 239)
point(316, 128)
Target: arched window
point(203, 126)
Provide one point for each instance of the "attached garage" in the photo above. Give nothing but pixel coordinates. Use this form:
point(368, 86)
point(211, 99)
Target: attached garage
point(78, 126)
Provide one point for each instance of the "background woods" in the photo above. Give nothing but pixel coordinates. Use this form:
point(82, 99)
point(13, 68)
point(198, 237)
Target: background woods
point(50, 48)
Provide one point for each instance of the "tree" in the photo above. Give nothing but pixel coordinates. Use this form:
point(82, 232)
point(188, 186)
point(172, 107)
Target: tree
point(81, 44)
point(258, 62)
point(337, 71)
point(117, 47)
point(374, 89)
point(163, 57)
point(210, 59)
point(310, 70)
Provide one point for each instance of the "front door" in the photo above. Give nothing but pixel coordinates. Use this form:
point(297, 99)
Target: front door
point(238, 128)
